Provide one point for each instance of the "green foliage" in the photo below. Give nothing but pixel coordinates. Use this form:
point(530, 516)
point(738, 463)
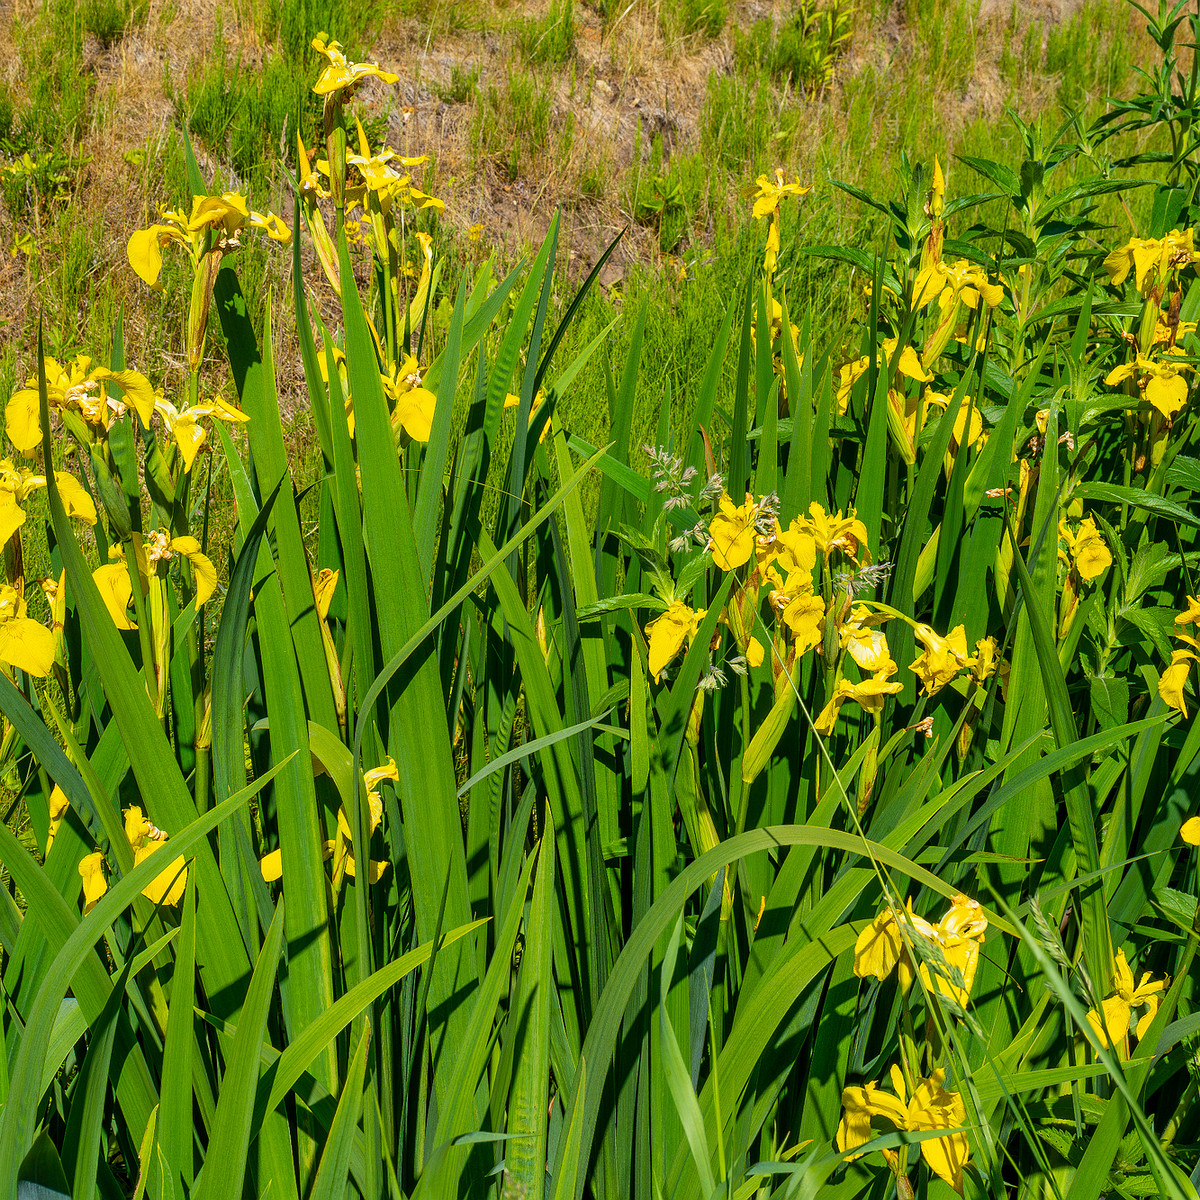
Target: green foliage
point(551, 797)
point(110, 19)
point(549, 38)
point(291, 25)
point(53, 101)
point(513, 120)
point(243, 112)
point(802, 50)
point(684, 18)
point(463, 86)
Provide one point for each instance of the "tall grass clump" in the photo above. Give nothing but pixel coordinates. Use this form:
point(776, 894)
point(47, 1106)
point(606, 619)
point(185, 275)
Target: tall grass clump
point(796, 798)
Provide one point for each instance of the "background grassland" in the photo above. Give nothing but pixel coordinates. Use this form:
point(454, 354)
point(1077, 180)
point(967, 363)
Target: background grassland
point(645, 119)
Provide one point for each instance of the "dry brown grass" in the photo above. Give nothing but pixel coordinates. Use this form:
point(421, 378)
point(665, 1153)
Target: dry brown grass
point(626, 82)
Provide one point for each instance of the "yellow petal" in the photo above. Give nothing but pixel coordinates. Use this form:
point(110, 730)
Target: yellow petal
point(1190, 831)
point(1117, 265)
point(166, 887)
point(1167, 394)
point(946, 1157)
point(878, 947)
point(755, 653)
point(1115, 1021)
point(204, 574)
point(27, 645)
point(23, 421)
point(666, 635)
point(324, 587)
point(414, 413)
point(58, 810)
point(731, 532)
point(272, 866)
point(1172, 683)
point(116, 591)
point(75, 498)
point(137, 388)
point(855, 1126)
point(144, 252)
point(12, 516)
point(91, 871)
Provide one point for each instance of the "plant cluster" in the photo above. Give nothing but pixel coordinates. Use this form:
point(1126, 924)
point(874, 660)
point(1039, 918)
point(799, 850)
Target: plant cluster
point(811, 810)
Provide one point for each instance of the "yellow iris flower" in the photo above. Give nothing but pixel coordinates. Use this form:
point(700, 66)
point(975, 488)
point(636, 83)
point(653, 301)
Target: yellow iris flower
point(956, 939)
point(829, 533)
point(866, 645)
point(512, 401)
point(1151, 259)
point(16, 485)
point(24, 643)
point(960, 935)
point(880, 947)
point(1089, 553)
point(116, 588)
point(803, 612)
point(731, 533)
point(184, 425)
point(144, 840)
point(668, 632)
point(1190, 831)
point(794, 549)
point(767, 196)
point(964, 434)
point(1117, 1010)
point(381, 178)
point(871, 694)
point(58, 810)
point(909, 365)
point(984, 661)
point(340, 73)
point(964, 281)
point(931, 1107)
point(1174, 679)
point(342, 849)
point(78, 386)
point(1161, 382)
point(91, 871)
point(1191, 614)
point(224, 216)
point(942, 658)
